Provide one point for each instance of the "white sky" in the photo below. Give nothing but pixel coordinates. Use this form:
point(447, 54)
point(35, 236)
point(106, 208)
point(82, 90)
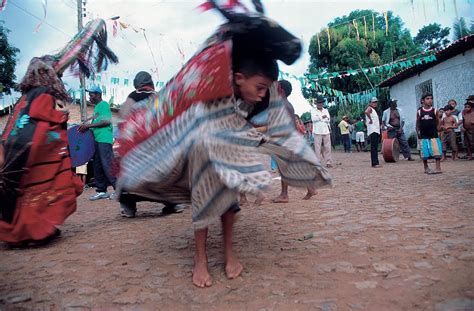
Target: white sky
point(170, 23)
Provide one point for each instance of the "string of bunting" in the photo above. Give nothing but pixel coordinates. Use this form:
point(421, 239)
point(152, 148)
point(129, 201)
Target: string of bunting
point(385, 68)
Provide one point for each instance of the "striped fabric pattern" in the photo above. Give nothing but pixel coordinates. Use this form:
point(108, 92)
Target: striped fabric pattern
point(210, 153)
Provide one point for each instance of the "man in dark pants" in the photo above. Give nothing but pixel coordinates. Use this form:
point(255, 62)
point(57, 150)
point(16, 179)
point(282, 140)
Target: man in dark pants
point(373, 131)
point(101, 126)
point(393, 121)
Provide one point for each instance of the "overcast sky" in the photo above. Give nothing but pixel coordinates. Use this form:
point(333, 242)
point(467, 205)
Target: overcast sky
point(174, 25)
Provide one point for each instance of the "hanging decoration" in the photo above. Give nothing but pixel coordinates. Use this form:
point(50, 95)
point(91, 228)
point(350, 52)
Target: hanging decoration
point(424, 9)
point(329, 38)
point(456, 9)
point(3, 5)
point(114, 29)
point(365, 28)
point(151, 52)
point(319, 44)
point(45, 11)
point(373, 24)
point(385, 68)
point(385, 15)
point(356, 26)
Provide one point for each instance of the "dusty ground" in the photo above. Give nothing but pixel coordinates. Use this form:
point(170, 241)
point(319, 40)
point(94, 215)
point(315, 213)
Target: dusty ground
point(381, 239)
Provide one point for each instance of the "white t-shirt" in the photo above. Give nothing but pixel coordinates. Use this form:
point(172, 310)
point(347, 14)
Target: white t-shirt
point(320, 124)
point(375, 126)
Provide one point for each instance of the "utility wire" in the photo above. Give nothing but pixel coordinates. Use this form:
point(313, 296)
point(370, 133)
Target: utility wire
point(39, 18)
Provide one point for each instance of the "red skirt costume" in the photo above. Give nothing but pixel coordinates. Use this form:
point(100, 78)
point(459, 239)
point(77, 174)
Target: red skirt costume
point(37, 187)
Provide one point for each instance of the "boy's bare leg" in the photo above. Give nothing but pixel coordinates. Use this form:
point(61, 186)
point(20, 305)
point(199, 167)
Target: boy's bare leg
point(201, 276)
point(243, 199)
point(311, 192)
point(425, 164)
point(233, 268)
point(438, 165)
point(283, 197)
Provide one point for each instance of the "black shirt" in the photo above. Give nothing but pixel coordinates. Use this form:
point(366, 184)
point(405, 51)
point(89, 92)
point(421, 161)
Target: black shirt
point(427, 122)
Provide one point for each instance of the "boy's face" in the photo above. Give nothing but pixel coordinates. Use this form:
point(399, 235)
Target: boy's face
point(448, 112)
point(428, 101)
point(467, 108)
point(252, 89)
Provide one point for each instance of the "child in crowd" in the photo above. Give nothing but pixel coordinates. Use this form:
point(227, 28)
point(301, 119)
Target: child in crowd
point(448, 124)
point(427, 121)
point(467, 119)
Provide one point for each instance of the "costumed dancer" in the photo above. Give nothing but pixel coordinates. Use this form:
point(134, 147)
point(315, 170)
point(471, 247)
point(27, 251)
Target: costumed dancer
point(144, 88)
point(197, 127)
point(37, 187)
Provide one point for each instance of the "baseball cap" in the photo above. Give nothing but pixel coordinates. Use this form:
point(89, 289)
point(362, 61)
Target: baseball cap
point(94, 89)
point(374, 99)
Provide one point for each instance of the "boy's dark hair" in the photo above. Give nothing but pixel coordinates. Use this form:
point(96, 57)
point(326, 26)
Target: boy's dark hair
point(286, 87)
point(256, 65)
point(426, 95)
point(448, 107)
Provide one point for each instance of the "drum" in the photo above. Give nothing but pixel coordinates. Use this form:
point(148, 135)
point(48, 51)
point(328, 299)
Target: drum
point(81, 146)
point(390, 150)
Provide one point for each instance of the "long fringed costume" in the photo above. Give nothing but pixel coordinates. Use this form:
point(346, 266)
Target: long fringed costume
point(192, 143)
point(37, 187)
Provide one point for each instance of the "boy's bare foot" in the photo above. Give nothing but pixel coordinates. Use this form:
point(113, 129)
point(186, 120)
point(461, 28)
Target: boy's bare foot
point(201, 276)
point(281, 199)
point(259, 200)
point(243, 202)
point(233, 268)
point(310, 194)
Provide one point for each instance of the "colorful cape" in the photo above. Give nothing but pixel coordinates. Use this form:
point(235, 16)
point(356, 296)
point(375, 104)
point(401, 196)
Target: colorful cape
point(191, 143)
point(37, 188)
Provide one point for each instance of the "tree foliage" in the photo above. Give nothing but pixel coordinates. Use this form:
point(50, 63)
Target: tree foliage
point(7, 61)
point(461, 29)
point(432, 36)
point(372, 47)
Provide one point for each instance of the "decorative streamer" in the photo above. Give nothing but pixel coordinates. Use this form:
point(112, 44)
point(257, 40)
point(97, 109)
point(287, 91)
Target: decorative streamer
point(45, 11)
point(444, 6)
point(385, 15)
point(151, 52)
point(3, 5)
point(114, 29)
point(373, 24)
point(329, 38)
point(319, 44)
point(424, 9)
point(365, 27)
point(437, 6)
point(356, 26)
point(181, 52)
point(456, 9)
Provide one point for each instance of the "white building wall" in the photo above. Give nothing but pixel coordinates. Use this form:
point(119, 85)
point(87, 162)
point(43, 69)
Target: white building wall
point(451, 79)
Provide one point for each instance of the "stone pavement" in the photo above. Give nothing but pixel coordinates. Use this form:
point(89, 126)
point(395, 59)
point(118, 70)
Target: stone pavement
point(381, 239)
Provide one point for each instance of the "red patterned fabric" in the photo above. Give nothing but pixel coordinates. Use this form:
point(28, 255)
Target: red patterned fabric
point(201, 79)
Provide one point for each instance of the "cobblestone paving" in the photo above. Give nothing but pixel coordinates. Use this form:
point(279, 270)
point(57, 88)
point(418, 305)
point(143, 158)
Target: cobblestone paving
point(381, 239)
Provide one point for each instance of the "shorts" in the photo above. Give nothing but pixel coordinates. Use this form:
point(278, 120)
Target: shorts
point(449, 139)
point(360, 137)
point(468, 138)
point(431, 148)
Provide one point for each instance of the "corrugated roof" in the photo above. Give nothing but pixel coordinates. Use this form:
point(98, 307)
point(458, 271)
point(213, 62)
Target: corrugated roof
point(455, 48)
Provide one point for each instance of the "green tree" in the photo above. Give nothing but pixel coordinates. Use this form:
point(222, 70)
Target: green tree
point(349, 51)
point(7, 61)
point(432, 36)
point(460, 29)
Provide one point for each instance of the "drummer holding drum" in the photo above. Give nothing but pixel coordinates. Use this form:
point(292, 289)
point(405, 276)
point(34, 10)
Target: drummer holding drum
point(393, 121)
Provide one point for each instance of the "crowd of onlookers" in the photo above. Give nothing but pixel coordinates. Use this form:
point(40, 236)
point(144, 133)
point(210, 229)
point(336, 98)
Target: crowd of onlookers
point(455, 126)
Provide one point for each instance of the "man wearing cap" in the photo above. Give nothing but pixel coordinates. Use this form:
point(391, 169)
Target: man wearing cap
point(322, 135)
point(373, 131)
point(101, 127)
point(393, 121)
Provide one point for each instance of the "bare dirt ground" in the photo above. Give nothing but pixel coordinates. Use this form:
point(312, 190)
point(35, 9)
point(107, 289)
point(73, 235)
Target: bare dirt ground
point(381, 239)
